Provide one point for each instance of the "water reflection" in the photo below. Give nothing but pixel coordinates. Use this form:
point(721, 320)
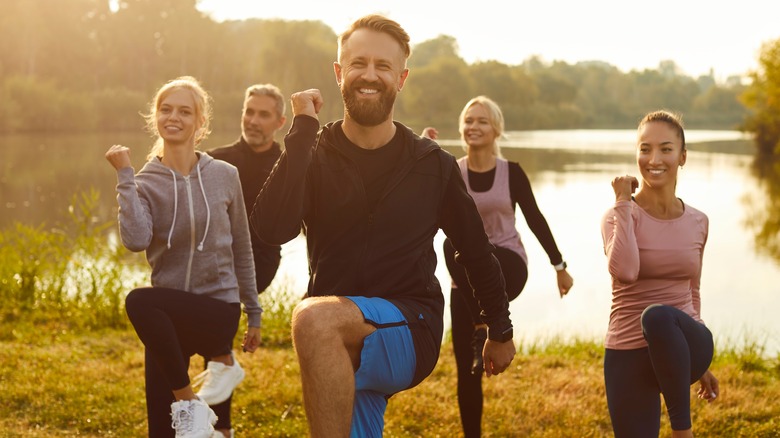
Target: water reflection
point(741, 278)
point(763, 208)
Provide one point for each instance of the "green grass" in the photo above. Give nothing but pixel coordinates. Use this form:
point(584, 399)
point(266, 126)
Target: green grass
point(70, 365)
point(91, 384)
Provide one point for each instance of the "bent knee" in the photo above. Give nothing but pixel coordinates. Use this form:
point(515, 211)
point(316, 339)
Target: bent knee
point(316, 315)
point(135, 301)
point(656, 315)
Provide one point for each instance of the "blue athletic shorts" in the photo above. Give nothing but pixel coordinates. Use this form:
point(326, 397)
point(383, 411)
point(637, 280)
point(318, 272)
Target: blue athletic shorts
point(387, 364)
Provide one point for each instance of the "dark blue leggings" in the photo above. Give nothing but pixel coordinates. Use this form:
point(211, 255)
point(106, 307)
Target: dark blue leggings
point(173, 325)
point(679, 350)
point(464, 311)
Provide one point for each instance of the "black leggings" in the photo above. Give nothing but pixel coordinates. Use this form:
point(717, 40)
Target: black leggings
point(173, 325)
point(679, 350)
point(464, 311)
point(267, 259)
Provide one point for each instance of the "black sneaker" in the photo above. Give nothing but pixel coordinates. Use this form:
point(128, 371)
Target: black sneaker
point(478, 339)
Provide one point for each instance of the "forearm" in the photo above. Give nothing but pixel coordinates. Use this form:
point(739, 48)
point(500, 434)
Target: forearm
point(280, 205)
point(135, 224)
point(620, 243)
point(243, 258)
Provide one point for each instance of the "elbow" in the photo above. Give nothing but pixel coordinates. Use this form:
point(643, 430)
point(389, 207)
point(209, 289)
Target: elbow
point(624, 275)
point(268, 234)
point(135, 245)
point(271, 239)
point(626, 279)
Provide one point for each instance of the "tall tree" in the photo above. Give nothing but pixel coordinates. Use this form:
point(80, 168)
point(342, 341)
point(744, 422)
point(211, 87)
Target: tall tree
point(763, 98)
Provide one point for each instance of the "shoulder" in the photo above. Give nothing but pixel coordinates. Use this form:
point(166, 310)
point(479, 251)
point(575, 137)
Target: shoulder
point(151, 169)
point(698, 215)
point(219, 166)
point(223, 152)
point(694, 211)
point(514, 166)
point(516, 173)
point(420, 145)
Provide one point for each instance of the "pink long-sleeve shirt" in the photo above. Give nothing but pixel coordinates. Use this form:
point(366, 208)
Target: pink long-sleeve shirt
point(651, 261)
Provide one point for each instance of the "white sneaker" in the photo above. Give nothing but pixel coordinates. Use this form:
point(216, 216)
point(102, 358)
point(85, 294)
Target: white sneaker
point(219, 381)
point(192, 419)
point(218, 434)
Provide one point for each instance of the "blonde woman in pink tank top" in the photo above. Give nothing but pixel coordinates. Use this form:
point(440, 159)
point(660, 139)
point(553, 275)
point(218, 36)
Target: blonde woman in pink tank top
point(656, 343)
point(497, 187)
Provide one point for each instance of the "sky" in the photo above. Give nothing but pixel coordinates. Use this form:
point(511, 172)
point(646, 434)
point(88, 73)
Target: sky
point(700, 36)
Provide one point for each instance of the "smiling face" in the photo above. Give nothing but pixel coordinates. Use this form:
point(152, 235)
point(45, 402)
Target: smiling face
point(659, 153)
point(476, 128)
point(370, 72)
point(177, 117)
point(260, 121)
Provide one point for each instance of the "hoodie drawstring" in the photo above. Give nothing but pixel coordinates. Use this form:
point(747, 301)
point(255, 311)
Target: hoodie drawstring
point(175, 206)
point(208, 210)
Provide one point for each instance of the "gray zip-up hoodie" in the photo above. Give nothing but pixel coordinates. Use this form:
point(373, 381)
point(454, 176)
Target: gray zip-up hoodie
point(193, 228)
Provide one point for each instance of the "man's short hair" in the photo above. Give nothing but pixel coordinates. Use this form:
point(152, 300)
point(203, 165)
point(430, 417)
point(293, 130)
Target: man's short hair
point(381, 24)
point(269, 90)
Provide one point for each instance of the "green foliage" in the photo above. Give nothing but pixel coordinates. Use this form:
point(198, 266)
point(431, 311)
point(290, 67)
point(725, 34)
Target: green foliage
point(278, 303)
point(763, 99)
point(75, 276)
point(75, 66)
point(41, 105)
point(67, 277)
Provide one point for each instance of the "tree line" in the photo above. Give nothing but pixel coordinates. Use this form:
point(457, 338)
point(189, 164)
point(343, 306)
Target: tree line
point(78, 65)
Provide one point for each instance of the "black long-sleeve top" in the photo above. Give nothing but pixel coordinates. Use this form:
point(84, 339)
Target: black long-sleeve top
point(385, 249)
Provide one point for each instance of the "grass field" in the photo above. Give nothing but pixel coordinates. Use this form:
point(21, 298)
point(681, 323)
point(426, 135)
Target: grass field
point(70, 365)
point(57, 383)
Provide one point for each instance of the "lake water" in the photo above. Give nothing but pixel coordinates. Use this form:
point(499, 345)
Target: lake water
point(570, 172)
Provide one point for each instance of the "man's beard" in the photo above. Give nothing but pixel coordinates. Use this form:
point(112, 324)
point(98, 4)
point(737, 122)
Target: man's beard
point(368, 112)
point(258, 138)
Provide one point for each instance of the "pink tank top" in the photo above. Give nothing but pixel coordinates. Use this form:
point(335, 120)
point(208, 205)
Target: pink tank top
point(497, 209)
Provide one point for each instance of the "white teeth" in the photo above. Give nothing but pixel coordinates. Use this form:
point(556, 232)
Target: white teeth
point(368, 91)
point(656, 171)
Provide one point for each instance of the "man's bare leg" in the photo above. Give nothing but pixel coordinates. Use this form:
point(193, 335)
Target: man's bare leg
point(328, 335)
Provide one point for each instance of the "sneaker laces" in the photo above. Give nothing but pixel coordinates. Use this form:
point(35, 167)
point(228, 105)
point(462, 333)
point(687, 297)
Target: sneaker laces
point(182, 419)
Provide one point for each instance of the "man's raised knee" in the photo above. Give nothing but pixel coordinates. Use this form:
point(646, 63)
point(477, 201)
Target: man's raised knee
point(316, 315)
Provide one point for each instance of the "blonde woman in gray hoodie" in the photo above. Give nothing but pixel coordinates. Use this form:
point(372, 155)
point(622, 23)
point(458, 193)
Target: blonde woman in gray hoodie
point(186, 210)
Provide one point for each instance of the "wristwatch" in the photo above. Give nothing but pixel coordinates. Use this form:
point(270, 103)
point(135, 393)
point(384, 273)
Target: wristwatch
point(561, 266)
point(503, 336)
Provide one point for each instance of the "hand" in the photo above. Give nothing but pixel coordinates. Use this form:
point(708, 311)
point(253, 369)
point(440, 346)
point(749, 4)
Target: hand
point(624, 187)
point(430, 132)
point(708, 387)
point(251, 339)
point(565, 282)
point(307, 102)
point(497, 356)
point(118, 156)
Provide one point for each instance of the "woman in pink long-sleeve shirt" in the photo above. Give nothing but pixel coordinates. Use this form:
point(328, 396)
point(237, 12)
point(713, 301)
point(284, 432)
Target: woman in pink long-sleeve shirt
point(656, 342)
